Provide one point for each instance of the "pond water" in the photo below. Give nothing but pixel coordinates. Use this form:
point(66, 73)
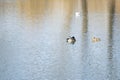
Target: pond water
point(33, 41)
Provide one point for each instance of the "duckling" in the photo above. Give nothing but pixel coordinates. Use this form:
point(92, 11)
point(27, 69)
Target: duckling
point(94, 39)
point(71, 40)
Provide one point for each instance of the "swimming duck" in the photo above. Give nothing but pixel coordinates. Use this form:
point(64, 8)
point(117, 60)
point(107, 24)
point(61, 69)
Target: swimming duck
point(94, 39)
point(71, 40)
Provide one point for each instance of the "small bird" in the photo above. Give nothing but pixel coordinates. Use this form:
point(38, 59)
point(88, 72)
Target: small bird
point(94, 39)
point(71, 40)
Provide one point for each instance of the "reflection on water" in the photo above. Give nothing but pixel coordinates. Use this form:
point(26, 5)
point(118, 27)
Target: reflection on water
point(32, 8)
point(33, 40)
point(110, 38)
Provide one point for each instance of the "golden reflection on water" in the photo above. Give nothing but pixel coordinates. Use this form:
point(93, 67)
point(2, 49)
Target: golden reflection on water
point(39, 7)
point(117, 6)
point(35, 8)
point(103, 5)
point(31, 8)
point(99, 6)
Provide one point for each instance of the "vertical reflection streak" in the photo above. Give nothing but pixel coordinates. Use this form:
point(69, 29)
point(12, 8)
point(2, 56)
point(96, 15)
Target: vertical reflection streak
point(84, 34)
point(84, 14)
point(111, 6)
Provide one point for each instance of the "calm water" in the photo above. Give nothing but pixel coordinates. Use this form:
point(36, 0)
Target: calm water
point(33, 40)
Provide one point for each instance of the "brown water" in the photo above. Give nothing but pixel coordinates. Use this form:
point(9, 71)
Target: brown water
point(33, 39)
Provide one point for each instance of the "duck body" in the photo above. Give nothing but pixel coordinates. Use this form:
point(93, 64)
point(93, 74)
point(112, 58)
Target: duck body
point(71, 40)
point(94, 39)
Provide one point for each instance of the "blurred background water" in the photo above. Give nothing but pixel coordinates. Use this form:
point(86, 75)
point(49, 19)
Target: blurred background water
point(33, 39)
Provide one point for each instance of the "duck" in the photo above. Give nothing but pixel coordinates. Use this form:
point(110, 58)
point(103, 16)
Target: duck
point(95, 39)
point(71, 40)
